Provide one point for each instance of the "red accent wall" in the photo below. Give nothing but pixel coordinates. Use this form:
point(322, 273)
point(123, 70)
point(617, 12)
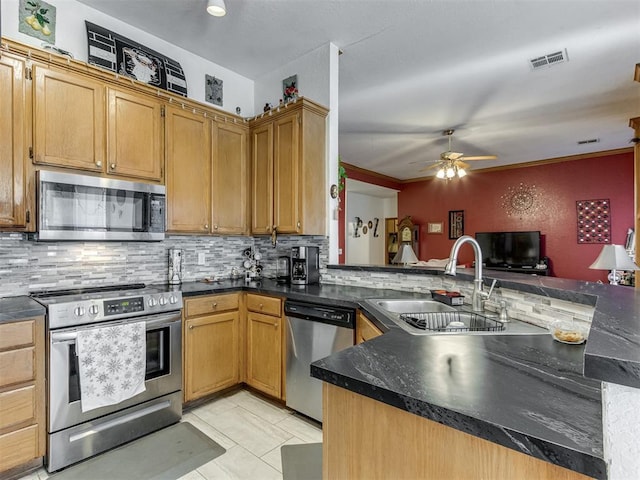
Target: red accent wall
point(558, 186)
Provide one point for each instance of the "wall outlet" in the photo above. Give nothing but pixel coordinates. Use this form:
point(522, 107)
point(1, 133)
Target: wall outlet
point(200, 258)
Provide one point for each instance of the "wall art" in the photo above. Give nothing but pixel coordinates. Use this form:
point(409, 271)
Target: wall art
point(37, 19)
point(114, 52)
point(435, 227)
point(290, 88)
point(521, 200)
point(456, 224)
point(213, 90)
point(594, 221)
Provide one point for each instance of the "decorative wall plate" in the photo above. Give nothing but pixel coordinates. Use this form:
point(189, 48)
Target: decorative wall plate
point(520, 200)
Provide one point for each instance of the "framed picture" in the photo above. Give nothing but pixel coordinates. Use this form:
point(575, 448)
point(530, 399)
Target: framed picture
point(435, 227)
point(290, 88)
point(456, 224)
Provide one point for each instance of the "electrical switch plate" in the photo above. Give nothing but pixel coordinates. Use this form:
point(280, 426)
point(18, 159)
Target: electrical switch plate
point(200, 258)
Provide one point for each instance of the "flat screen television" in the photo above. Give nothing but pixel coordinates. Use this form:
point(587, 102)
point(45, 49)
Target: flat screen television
point(510, 249)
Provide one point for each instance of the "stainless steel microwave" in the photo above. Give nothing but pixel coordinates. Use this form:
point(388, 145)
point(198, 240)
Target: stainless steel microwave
point(82, 207)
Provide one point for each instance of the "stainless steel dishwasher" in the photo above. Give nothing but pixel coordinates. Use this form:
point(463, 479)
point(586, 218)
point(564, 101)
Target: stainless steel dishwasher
point(313, 332)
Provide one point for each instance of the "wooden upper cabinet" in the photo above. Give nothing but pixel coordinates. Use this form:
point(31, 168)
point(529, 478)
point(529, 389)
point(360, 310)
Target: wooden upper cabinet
point(230, 180)
point(68, 120)
point(288, 170)
point(134, 135)
point(188, 171)
point(262, 179)
point(12, 139)
point(286, 181)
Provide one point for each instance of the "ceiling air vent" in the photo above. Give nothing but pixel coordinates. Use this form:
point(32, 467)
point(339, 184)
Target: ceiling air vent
point(591, 140)
point(549, 60)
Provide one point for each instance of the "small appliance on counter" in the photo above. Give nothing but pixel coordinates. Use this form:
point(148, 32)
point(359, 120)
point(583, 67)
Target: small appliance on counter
point(283, 270)
point(175, 266)
point(305, 265)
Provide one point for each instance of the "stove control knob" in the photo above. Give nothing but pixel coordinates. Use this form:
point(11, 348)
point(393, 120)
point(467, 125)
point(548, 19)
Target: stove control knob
point(173, 299)
point(153, 302)
point(93, 309)
point(163, 301)
point(79, 311)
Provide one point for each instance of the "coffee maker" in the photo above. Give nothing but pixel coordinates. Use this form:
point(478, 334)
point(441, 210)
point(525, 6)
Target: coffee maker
point(305, 265)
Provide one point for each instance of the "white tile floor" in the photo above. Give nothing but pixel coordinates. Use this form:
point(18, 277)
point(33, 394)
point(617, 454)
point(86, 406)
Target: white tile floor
point(251, 429)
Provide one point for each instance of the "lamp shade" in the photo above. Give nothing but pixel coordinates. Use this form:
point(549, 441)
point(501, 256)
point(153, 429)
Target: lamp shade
point(405, 255)
point(613, 257)
point(217, 8)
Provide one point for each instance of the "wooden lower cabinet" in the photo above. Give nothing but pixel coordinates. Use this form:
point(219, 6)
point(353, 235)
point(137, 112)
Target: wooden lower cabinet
point(365, 329)
point(211, 344)
point(22, 396)
point(399, 444)
point(264, 345)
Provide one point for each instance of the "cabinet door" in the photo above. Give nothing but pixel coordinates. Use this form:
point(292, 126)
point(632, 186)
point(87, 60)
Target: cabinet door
point(211, 354)
point(264, 353)
point(230, 180)
point(262, 179)
point(134, 146)
point(286, 179)
point(188, 171)
point(365, 329)
point(12, 137)
point(69, 128)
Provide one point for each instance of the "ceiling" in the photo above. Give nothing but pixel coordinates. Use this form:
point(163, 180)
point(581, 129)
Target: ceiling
point(413, 68)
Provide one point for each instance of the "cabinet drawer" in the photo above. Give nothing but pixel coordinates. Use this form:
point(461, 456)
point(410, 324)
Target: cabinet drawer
point(211, 304)
point(17, 366)
point(18, 334)
point(265, 305)
point(18, 406)
point(19, 447)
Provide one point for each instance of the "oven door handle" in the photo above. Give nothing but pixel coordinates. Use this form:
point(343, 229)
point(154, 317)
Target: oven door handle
point(152, 323)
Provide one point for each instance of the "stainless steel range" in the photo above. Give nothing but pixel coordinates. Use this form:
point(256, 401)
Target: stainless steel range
point(74, 434)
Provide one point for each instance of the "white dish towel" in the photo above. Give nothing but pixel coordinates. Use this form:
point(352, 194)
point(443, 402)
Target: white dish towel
point(111, 364)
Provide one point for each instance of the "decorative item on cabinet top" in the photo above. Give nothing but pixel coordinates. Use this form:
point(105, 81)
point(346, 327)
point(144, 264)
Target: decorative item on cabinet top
point(37, 19)
point(213, 90)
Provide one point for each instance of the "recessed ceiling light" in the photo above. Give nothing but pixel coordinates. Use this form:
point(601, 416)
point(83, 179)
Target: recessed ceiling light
point(217, 8)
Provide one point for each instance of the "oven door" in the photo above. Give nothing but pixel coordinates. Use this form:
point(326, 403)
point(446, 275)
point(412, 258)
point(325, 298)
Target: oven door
point(163, 369)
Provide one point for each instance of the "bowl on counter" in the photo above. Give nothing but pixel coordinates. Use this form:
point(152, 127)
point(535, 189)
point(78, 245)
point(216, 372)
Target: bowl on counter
point(569, 332)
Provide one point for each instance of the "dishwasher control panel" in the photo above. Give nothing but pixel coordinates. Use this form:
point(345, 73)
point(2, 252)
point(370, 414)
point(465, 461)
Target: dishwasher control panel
point(341, 316)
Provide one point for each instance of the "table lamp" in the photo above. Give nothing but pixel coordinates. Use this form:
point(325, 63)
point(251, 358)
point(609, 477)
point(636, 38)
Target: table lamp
point(405, 254)
point(613, 257)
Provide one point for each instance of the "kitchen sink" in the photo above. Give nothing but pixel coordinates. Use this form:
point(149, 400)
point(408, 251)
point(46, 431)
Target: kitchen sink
point(428, 317)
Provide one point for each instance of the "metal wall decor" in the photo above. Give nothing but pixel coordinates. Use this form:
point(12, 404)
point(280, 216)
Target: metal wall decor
point(456, 224)
point(114, 52)
point(594, 221)
point(521, 200)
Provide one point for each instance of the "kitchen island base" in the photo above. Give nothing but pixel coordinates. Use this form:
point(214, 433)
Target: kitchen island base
point(367, 439)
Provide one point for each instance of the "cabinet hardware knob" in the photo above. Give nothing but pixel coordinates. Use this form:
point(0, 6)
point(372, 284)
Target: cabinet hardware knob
point(190, 327)
point(215, 227)
point(206, 226)
point(275, 324)
point(113, 166)
point(261, 306)
point(298, 224)
point(215, 305)
point(98, 163)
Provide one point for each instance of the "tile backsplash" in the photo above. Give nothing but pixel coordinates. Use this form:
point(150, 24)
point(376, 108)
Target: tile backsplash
point(27, 266)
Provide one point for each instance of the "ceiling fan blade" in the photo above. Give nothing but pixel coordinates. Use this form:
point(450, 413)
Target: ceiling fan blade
point(454, 155)
point(436, 165)
point(479, 157)
point(461, 164)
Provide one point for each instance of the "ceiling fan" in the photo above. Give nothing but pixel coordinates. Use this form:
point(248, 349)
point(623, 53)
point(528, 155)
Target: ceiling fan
point(452, 164)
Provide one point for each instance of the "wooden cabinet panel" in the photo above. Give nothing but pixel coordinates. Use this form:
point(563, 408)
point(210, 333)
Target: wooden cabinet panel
point(17, 334)
point(230, 181)
point(264, 353)
point(19, 447)
point(286, 181)
point(262, 179)
point(12, 142)
point(68, 120)
point(262, 304)
point(188, 171)
point(18, 407)
point(211, 304)
point(365, 329)
point(211, 354)
point(17, 366)
point(134, 136)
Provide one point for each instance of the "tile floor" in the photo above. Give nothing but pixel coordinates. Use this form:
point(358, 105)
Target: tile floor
point(251, 428)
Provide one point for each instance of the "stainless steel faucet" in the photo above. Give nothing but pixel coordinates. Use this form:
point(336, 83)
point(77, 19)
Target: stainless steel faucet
point(478, 295)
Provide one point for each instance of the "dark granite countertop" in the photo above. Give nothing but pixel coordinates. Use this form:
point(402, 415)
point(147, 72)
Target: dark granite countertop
point(19, 308)
point(523, 392)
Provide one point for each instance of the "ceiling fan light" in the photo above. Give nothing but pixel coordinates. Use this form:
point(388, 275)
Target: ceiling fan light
point(440, 173)
point(217, 8)
point(461, 172)
point(451, 172)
